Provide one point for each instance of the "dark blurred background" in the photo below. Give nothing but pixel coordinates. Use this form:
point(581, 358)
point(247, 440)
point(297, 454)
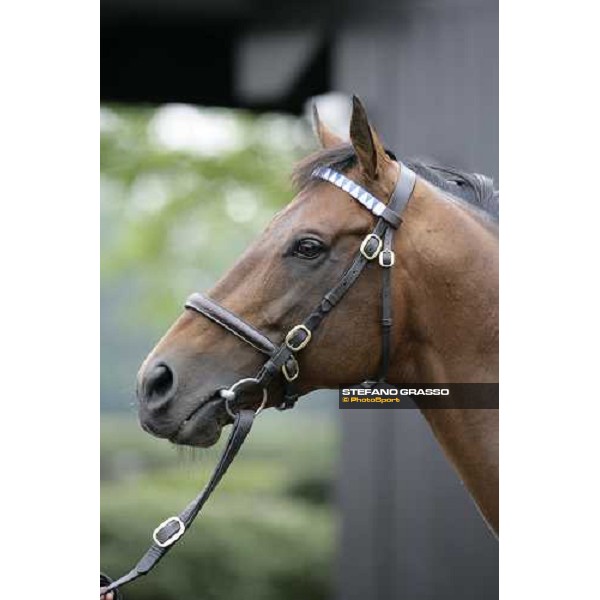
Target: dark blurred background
point(203, 114)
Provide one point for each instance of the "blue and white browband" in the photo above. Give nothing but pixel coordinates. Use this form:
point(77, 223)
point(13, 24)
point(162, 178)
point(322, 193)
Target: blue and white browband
point(402, 192)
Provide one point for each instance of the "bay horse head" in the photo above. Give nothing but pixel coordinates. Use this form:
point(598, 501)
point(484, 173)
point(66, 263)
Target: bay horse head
point(443, 294)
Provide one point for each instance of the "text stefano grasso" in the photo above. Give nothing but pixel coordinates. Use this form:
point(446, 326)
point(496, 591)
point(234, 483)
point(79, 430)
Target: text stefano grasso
point(395, 392)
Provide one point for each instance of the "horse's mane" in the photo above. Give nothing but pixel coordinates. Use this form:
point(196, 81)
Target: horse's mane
point(478, 190)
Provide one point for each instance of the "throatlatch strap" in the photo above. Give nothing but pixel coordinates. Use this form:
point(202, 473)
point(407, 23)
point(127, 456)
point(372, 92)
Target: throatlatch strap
point(170, 531)
point(386, 303)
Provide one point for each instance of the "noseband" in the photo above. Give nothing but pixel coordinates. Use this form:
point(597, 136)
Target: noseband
point(281, 359)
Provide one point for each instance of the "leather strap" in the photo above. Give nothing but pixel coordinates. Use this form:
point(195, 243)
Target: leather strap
point(105, 581)
point(241, 428)
point(284, 354)
point(403, 190)
point(386, 304)
point(335, 294)
point(226, 319)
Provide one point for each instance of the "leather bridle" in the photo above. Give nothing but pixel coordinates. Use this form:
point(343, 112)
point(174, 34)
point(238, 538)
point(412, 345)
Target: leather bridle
point(281, 359)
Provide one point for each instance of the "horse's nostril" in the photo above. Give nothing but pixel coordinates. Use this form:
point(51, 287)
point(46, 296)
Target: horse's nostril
point(158, 382)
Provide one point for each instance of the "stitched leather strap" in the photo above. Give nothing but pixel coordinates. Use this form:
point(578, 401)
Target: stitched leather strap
point(226, 319)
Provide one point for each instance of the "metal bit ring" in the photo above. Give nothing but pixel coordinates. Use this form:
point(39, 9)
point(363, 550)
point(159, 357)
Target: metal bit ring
point(232, 392)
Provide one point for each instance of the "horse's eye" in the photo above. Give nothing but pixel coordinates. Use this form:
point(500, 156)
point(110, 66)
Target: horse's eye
point(308, 248)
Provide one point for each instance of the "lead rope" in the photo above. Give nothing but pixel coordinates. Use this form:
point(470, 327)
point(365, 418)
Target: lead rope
point(172, 530)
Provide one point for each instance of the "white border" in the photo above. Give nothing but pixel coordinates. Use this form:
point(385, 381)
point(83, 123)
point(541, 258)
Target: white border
point(49, 247)
point(549, 300)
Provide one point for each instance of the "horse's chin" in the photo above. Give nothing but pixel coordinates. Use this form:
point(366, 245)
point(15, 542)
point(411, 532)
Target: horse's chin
point(203, 428)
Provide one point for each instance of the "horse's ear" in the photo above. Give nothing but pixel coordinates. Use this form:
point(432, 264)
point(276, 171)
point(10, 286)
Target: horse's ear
point(327, 138)
point(368, 147)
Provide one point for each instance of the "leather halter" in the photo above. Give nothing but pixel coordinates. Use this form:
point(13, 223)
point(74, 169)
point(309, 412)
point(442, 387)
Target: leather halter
point(377, 245)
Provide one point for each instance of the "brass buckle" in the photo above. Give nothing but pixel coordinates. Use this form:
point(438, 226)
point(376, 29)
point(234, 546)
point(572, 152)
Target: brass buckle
point(286, 374)
point(174, 536)
point(392, 258)
point(363, 246)
point(303, 343)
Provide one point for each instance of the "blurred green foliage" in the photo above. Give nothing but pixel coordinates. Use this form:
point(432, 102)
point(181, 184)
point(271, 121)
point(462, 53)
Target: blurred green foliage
point(183, 191)
point(179, 206)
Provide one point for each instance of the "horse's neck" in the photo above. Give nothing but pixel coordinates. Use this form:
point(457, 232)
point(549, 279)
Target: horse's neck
point(469, 438)
point(447, 331)
point(445, 293)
